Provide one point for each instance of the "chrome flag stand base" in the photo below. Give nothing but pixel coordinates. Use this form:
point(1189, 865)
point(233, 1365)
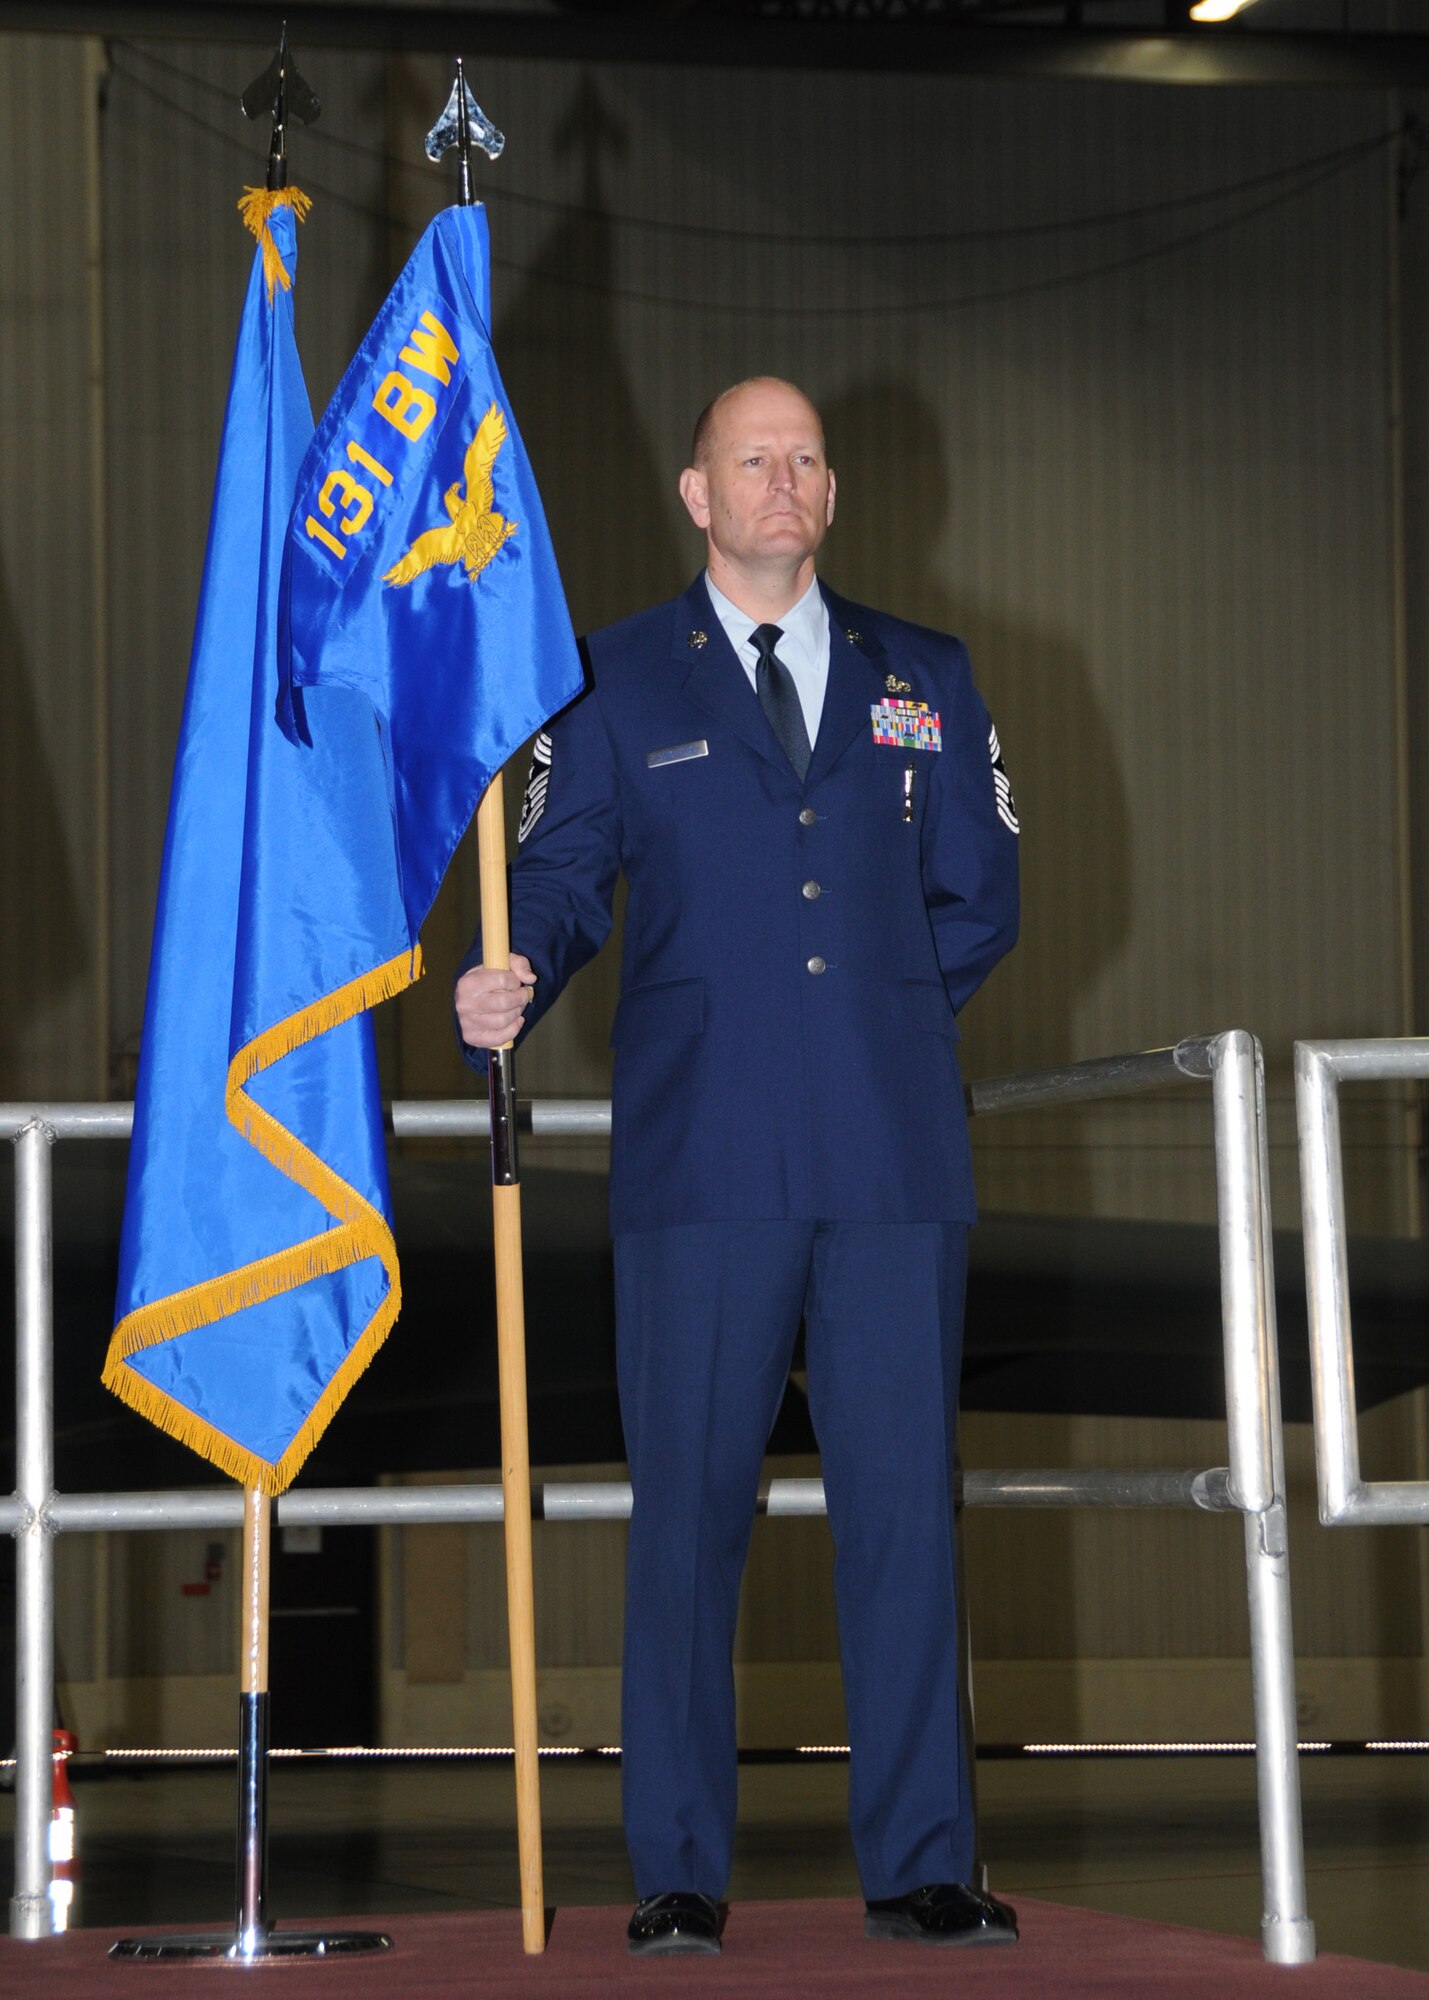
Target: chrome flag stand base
point(220, 1948)
point(253, 1940)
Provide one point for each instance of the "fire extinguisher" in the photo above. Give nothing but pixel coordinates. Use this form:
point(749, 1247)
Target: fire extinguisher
point(64, 1846)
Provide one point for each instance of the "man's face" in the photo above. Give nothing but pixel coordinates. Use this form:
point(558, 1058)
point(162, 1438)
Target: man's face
point(764, 494)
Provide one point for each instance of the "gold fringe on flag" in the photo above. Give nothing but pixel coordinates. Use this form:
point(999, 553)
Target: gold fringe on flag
point(362, 1232)
point(255, 206)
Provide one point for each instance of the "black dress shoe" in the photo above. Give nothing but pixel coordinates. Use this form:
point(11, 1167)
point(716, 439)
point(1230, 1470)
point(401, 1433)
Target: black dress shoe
point(942, 1913)
point(680, 1920)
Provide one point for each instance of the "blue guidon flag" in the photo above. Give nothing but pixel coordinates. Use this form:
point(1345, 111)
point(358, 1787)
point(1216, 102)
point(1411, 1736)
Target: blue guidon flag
point(420, 573)
point(369, 654)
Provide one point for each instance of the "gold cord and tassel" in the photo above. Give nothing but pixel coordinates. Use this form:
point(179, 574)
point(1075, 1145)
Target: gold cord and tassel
point(255, 206)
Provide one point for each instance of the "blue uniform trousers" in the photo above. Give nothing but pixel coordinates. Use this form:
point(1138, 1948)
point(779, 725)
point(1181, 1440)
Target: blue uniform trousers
point(707, 1318)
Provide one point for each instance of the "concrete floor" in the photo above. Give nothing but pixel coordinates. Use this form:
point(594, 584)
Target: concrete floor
point(1173, 1839)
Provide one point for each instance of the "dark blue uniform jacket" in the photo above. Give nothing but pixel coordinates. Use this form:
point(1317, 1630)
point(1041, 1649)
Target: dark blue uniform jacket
point(795, 954)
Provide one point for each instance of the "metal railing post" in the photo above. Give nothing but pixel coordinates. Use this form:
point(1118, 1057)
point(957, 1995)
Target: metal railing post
point(35, 1561)
point(1327, 1284)
point(1258, 1481)
point(1347, 1499)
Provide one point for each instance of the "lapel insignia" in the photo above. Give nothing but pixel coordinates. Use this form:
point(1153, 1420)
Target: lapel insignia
point(895, 686)
point(854, 638)
point(697, 639)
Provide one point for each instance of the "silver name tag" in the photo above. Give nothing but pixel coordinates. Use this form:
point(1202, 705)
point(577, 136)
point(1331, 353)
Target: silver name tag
point(678, 753)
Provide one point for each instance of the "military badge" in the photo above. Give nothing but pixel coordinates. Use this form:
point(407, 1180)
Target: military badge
point(895, 686)
point(906, 725)
point(1002, 785)
point(698, 639)
point(537, 784)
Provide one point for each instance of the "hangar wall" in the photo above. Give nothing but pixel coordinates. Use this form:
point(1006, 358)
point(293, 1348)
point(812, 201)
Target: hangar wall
point(1144, 464)
point(1105, 375)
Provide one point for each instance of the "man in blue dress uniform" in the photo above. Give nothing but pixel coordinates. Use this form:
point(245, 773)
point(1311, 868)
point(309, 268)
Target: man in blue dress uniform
point(818, 835)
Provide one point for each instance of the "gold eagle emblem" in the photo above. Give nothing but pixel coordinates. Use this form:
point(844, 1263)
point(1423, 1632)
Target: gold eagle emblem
point(477, 531)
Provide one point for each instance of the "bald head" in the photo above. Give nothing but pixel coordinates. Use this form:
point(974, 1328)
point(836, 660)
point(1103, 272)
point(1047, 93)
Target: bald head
point(707, 422)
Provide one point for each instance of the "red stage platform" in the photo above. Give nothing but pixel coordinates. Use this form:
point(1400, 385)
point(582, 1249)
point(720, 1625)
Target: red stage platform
point(795, 1951)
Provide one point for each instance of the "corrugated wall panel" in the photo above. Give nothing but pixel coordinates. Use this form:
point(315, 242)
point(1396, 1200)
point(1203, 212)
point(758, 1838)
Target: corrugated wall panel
point(1414, 264)
point(48, 583)
point(1140, 465)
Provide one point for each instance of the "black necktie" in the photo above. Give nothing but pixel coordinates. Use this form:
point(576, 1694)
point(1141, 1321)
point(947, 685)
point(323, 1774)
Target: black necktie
point(779, 698)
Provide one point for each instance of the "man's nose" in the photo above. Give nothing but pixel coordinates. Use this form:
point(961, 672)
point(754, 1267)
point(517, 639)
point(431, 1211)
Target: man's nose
point(782, 475)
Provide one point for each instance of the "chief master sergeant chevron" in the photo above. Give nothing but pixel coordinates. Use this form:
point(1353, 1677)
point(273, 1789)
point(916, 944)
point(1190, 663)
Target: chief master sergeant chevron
point(809, 804)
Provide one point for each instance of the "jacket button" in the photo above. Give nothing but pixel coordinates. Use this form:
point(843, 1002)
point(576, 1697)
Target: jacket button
point(807, 816)
point(810, 891)
point(816, 964)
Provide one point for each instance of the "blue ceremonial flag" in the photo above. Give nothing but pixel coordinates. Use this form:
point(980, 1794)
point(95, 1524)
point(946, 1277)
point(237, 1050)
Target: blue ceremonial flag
point(367, 657)
point(257, 1268)
point(420, 577)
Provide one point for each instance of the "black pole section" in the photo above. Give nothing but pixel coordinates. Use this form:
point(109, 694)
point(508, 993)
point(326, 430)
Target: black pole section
point(501, 1089)
point(278, 144)
point(463, 141)
point(252, 1916)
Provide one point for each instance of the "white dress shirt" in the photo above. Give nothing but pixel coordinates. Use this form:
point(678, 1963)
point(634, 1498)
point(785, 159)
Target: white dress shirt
point(804, 648)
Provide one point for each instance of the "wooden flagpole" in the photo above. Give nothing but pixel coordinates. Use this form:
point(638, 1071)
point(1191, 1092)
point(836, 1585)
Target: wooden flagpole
point(511, 1358)
point(454, 127)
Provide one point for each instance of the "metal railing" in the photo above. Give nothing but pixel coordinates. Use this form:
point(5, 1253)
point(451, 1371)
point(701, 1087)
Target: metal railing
point(1346, 1499)
point(1253, 1484)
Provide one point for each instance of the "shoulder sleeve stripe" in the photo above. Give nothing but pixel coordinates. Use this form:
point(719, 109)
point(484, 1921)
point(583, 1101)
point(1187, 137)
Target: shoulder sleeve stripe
point(1002, 784)
point(537, 785)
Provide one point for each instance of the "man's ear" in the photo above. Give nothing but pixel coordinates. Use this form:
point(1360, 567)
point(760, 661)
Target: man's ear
point(694, 491)
point(829, 513)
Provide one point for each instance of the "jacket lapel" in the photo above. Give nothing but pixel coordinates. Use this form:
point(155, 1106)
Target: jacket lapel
point(716, 681)
point(855, 683)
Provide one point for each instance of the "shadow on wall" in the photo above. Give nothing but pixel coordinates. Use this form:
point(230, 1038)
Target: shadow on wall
point(43, 932)
point(606, 496)
point(897, 508)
